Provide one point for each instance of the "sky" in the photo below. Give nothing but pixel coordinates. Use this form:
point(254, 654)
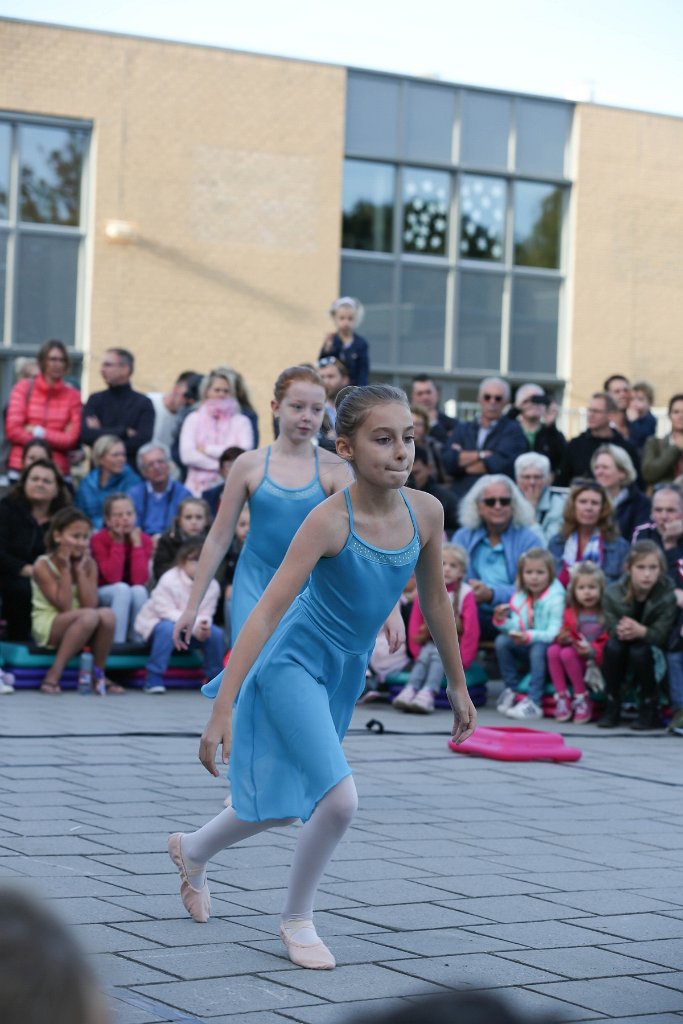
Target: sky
point(623, 53)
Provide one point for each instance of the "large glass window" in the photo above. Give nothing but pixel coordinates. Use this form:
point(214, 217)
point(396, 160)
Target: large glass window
point(485, 130)
point(47, 277)
point(3, 277)
point(372, 106)
point(368, 206)
point(425, 211)
point(534, 324)
point(429, 123)
point(538, 224)
point(374, 284)
point(542, 132)
point(422, 317)
point(479, 322)
point(482, 217)
point(51, 172)
point(5, 149)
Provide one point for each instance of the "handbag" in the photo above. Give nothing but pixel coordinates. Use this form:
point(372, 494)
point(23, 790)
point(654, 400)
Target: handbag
point(593, 677)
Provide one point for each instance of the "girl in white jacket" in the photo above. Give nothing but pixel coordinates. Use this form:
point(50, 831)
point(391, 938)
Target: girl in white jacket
point(159, 614)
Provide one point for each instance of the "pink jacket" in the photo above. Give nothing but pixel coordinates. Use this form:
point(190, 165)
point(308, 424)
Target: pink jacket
point(205, 433)
point(168, 600)
point(469, 638)
point(55, 407)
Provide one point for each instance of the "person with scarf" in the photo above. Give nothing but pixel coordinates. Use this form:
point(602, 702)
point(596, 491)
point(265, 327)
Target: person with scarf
point(588, 533)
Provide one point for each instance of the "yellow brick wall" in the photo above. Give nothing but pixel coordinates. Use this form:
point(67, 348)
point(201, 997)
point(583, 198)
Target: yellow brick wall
point(229, 164)
point(627, 312)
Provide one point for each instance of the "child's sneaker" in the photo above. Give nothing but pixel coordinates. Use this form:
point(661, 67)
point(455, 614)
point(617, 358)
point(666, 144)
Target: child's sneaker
point(506, 700)
point(583, 709)
point(423, 703)
point(405, 698)
point(563, 708)
point(526, 709)
point(6, 683)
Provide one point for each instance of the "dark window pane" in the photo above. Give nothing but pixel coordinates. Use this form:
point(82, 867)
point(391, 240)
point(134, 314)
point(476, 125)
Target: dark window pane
point(429, 120)
point(372, 106)
point(47, 272)
point(485, 130)
point(542, 131)
point(368, 206)
point(51, 171)
point(3, 279)
point(422, 323)
point(425, 211)
point(480, 303)
point(373, 284)
point(482, 218)
point(533, 330)
point(5, 146)
point(538, 223)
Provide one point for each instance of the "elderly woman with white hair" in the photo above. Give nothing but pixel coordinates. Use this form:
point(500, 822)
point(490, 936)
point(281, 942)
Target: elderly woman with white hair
point(215, 425)
point(612, 467)
point(498, 526)
point(533, 475)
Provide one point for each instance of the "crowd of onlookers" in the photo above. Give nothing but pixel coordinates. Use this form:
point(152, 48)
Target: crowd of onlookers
point(110, 501)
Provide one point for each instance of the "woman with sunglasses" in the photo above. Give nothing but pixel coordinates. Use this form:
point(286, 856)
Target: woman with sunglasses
point(589, 533)
point(497, 528)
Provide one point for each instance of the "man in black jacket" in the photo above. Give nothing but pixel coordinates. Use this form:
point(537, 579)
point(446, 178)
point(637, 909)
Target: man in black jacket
point(119, 410)
point(531, 405)
point(425, 392)
point(580, 450)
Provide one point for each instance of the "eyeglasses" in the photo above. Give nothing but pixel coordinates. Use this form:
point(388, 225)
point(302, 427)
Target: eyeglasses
point(492, 398)
point(492, 502)
point(326, 361)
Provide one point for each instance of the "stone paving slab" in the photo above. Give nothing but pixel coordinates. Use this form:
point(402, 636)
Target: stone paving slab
point(558, 886)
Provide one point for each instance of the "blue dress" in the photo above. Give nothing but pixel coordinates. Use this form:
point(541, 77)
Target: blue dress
point(296, 703)
point(276, 513)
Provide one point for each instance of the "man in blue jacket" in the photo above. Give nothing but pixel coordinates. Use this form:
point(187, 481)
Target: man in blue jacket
point(488, 444)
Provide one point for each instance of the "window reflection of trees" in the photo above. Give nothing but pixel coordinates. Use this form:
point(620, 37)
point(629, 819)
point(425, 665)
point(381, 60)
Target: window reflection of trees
point(368, 226)
point(51, 194)
point(541, 246)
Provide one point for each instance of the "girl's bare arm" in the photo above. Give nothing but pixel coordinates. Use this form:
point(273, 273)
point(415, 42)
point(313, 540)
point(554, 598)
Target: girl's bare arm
point(57, 589)
point(86, 581)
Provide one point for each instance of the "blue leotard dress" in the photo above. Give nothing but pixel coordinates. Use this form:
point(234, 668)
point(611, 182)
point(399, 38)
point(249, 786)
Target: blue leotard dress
point(296, 703)
point(276, 513)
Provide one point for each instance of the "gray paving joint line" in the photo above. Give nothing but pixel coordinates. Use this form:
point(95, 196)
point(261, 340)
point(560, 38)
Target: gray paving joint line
point(161, 1010)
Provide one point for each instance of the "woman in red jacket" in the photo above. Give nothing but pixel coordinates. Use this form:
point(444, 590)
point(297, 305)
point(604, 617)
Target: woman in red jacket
point(122, 553)
point(45, 407)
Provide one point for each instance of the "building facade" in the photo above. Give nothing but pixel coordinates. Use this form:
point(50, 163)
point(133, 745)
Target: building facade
point(203, 206)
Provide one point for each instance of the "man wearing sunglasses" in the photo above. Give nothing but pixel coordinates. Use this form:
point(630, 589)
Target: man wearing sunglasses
point(490, 443)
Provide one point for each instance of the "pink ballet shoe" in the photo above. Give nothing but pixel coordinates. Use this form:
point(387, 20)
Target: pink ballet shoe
point(197, 902)
point(315, 956)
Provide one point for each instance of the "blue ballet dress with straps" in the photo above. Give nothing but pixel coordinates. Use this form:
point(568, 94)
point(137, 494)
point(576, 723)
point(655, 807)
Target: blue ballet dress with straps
point(296, 703)
point(276, 513)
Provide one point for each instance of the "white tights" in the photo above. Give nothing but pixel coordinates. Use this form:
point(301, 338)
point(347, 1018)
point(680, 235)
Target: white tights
point(316, 844)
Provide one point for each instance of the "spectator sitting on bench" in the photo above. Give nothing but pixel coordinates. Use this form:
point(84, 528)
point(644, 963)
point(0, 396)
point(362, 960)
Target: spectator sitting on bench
point(111, 475)
point(122, 553)
point(156, 499)
point(226, 460)
point(191, 522)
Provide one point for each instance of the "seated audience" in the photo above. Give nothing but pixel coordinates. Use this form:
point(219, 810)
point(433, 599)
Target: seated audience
point(427, 673)
point(215, 425)
point(45, 407)
point(111, 475)
point(612, 467)
point(580, 643)
point(425, 392)
point(168, 408)
point(25, 514)
point(531, 410)
point(430, 446)
point(529, 623)
point(486, 445)
point(663, 457)
point(588, 533)
point(119, 410)
point(66, 616)
point(497, 528)
point(580, 450)
point(640, 610)
point(191, 522)
point(36, 448)
point(122, 553)
point(159, 615)
point(156, 499)
point(226, 460)
point(422, 478)
point(533, 476)
point(619, 389)
point(641, 421)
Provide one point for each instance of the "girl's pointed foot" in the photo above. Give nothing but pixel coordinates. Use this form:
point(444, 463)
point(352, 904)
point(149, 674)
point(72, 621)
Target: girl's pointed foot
point(197, 902)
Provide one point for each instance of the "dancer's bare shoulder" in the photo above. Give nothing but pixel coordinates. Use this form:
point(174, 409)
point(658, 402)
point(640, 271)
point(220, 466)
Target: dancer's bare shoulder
point(428, 512)
point(335, 473)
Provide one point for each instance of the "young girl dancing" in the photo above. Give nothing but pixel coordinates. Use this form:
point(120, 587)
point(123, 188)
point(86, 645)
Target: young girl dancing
point(65, 613)
point(640, 610)
point(580, 641)
point(301, 659)
point(528, 624)
point(427, 674)
point(282, 483)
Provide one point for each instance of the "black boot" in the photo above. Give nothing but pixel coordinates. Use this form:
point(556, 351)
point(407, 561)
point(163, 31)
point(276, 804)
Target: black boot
point(648, 716)
point(611, 716)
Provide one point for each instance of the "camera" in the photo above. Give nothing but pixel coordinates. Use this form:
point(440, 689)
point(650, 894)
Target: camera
point(540, 400)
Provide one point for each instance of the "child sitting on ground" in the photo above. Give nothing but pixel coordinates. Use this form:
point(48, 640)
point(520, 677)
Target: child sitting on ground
point(427, 673)
point(161, 612)
point(65, 615)
point(528, 625)
point(579, 643)
point(122, 553)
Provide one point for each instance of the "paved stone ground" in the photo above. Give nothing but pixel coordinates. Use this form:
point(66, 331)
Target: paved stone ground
point(559, 886)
